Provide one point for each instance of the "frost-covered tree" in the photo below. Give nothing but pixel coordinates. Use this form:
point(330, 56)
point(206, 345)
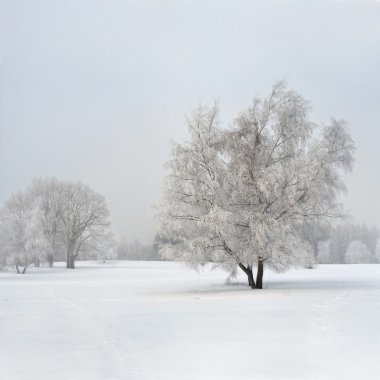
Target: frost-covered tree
point(99, 247)
point(368, 235)
point(377, 252)
point(358, 253)
point(135, 250)
point(314, 233)
point(341, 237)
point(343, 234)
point(17, 241)
point(36, 242)
point(324, 256)
point(48, 202)
point(51, 216)
point(106, 249)
point(85, 219)
point(70, 215)
point(238, 196)
point(4, 251)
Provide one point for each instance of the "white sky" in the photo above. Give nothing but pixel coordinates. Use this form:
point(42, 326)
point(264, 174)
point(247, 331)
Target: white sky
point(95, 90)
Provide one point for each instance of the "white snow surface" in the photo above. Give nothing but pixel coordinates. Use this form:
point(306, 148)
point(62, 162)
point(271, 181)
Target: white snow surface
point(162, 321)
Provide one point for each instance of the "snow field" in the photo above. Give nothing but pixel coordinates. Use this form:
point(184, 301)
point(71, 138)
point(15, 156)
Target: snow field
point(161, 321)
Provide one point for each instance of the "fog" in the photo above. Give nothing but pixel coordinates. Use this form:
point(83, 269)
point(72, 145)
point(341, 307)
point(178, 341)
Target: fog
point(96, 90)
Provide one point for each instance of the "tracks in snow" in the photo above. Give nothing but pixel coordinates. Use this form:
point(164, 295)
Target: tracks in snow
point(110, 339)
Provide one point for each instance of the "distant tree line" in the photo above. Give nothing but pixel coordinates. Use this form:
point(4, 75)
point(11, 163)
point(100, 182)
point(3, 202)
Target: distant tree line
point(137, 251)
point(350, 244)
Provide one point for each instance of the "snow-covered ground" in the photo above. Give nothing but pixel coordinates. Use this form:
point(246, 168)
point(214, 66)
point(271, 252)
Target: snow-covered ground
point(159, 320)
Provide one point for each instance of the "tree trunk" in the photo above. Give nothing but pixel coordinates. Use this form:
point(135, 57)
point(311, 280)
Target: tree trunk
point(50, 259)
point(19, 270)
point(251, 280)
point(71, 262)
point(315, 251)
point(260, 273)
point(70, 256)
point(248, 271)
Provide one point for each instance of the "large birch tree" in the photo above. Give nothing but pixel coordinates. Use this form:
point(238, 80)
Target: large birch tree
point(237, 196)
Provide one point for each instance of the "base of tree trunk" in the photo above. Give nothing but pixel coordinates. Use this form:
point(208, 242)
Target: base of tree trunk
point(70, 264)
point(260, 274)
point(50, 259)
point(19, 271)
point(251, 280)
point(248, 271)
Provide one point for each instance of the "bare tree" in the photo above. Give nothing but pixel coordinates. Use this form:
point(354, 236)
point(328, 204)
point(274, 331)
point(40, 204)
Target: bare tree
point(84, 218)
